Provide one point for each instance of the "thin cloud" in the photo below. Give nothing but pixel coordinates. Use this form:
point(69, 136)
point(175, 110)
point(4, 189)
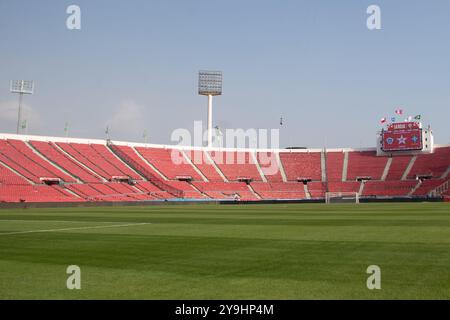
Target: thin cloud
point(127, 120)
point(8, 115)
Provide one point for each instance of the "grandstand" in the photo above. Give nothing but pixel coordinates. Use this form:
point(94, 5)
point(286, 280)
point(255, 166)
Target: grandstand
point(52, 169)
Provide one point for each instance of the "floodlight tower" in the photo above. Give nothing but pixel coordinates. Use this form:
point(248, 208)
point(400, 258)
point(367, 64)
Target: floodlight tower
point(21, 87)
point(209, 84)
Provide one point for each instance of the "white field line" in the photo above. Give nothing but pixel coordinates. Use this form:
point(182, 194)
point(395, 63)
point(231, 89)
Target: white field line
point(56, 221)
point(76, 228)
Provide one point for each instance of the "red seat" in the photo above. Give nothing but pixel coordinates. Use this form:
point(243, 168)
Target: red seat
point(236, 165)
point(302, 165)
point(365, 164)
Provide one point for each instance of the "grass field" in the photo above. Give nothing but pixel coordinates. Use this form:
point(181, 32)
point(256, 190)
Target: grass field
point(298, 251)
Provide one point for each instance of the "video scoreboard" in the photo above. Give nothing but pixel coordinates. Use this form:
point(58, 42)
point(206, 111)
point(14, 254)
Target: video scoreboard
point(402, 136)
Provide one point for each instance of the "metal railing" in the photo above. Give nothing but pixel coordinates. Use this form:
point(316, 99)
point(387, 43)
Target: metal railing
point(439, 190)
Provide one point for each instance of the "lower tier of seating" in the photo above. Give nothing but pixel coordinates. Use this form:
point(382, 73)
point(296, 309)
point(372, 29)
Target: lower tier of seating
point(19, 191)
point(226, 190)
point(279, 190)
point(388, 188)
point(426, 186)
point(35, 193)
point(118, 191)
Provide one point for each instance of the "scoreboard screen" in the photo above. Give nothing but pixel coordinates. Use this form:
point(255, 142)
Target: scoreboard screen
point(402, 136)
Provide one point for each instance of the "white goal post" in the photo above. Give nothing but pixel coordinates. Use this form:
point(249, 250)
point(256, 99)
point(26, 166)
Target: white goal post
point(331, 197)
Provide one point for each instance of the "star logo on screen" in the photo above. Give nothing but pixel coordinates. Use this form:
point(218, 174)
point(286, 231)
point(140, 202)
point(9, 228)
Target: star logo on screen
point(401, 140)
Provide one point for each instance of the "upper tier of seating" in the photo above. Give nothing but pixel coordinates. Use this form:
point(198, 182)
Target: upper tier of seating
point(365, 163)
point(170, 162)
point(9, 177)
point(269, 165)
point(398, 167)
point(335, 163)
point(435, 164)
point(200, 159)
point(99, 159)
point(18, 156)
point(236, 165)
point(54, 154)
point(302, 165)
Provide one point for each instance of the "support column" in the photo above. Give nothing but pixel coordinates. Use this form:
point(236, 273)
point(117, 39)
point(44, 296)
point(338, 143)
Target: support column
point(209, 120)
point(19, 115)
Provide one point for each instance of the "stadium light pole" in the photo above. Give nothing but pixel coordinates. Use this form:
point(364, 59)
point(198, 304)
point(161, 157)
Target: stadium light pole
point(21, 87)
point(209, 84)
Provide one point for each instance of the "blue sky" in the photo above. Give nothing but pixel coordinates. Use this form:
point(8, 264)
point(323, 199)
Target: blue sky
point(133, 65)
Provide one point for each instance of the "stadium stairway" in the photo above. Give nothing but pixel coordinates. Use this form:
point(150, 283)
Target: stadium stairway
point(398, 167)
point(199, 191)
point(282, 171)
point(307, 194)
point(253, 191)
point(270, 165)
point(323, 164)
point(361, 187)
point(189, 161)
point(236, 165)
point(201, 160)
point(146, 163)
point(386, 169)
point(9, 176)
point(446, 173)
point(345, 167)
point(409, 168)
point(258, 167)
point(413, 190)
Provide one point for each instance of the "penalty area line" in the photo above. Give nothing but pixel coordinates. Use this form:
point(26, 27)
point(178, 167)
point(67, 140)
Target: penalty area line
point(75, 228)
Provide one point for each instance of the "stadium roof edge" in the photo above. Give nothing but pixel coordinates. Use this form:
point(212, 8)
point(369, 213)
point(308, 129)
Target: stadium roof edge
point(22, 137)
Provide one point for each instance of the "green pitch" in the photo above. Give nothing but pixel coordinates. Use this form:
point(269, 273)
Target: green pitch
point(299, 251)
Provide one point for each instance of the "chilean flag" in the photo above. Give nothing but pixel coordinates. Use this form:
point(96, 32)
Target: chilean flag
point(399, 111)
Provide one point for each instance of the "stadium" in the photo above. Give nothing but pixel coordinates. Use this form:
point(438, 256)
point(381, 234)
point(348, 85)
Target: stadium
point(85, 217)
point(155, 249)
